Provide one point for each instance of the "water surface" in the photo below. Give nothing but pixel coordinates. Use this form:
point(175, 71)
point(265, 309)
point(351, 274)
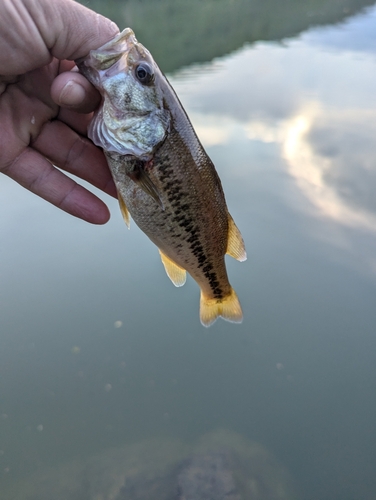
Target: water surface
point(98, 349)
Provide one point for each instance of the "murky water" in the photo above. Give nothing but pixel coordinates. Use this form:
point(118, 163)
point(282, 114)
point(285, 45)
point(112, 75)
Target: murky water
point(99, 350)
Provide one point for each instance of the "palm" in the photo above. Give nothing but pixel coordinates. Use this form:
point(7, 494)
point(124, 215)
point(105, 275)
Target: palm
point(35, 134)
point(26, 107)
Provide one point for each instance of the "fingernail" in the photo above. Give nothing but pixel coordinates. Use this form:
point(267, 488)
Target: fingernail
point(72, 95)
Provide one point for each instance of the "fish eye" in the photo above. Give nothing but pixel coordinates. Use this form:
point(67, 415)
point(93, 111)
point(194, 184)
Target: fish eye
point(144, 73)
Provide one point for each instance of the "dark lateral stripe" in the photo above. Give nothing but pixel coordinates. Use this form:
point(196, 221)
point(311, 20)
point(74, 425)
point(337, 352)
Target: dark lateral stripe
point(176, 196)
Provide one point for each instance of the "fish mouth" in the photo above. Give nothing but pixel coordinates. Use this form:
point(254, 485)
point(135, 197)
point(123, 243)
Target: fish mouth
point(108, 54)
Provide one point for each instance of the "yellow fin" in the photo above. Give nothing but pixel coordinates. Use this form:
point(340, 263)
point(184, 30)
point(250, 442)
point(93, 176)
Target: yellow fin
point(235, 243)
point(177, 274)
point(124, 211)
point(227, 308)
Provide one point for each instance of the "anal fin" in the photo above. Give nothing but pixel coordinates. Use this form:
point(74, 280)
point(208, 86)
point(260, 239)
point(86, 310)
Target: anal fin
point(228, 308)
point(177, 274)
point(235, 242)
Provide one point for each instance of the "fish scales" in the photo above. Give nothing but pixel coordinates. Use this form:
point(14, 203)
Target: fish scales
point(187, 239)
point(164, 177)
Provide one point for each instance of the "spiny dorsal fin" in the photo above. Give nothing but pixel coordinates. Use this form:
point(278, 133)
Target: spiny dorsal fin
point(235, 243)
point(177, 274)
point(141, 178)
point(124, 211)
point(228, 308)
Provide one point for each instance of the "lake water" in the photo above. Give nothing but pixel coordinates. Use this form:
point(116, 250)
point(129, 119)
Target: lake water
point(98, 349)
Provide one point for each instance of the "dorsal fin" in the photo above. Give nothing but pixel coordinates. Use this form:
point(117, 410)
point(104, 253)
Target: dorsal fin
point(177, 274)
point(235, 243)
point(124, 211)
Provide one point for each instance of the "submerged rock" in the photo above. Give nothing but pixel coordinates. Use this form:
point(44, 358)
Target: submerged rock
point(200, 477)
point(222, 465)
point(208, 476)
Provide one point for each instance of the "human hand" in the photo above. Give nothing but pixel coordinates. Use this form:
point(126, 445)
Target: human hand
point(45, 107)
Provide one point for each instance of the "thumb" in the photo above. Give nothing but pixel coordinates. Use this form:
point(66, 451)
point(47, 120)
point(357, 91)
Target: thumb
point(32, 31)
point(71, 30)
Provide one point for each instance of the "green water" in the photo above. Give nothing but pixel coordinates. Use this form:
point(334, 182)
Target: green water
point(98, 349)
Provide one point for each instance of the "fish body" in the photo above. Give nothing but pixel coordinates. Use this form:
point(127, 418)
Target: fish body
point(164, 178)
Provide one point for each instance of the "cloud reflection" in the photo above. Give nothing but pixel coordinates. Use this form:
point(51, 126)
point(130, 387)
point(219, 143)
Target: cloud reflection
point(330, 154)
point(317, 105)
point(354, 34)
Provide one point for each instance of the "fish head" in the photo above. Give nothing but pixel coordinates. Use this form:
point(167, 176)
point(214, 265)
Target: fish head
point(132, 119)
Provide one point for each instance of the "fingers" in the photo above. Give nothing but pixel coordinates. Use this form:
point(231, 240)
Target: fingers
point(34, 31)
point(77, 121)
point(69, 29)
point(34, 172)
point(73, 91)
point(75, 96)
point(75, 154)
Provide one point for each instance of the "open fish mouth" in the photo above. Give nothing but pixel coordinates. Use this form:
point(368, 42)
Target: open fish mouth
point(107, 55)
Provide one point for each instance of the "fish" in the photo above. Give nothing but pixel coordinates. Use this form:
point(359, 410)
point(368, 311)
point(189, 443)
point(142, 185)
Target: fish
point(164, 178)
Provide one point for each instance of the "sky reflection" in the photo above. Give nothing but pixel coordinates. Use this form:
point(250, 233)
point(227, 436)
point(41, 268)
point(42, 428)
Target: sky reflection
point(316, 105)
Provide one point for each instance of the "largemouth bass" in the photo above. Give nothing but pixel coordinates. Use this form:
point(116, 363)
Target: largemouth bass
point(164, 178)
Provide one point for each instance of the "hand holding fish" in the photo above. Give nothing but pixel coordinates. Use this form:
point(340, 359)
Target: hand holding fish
point(164, 178)
point(44, 105)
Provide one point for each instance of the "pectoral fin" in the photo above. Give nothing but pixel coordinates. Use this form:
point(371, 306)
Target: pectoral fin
point(176, 273)
point(124, 211)
point(235, 243)
point(141, 178)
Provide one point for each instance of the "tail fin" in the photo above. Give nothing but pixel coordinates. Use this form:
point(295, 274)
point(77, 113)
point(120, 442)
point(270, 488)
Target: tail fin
point(228, 308)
